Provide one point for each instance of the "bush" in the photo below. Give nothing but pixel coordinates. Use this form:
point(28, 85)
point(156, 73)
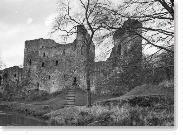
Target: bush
point(125, 115)
point(35, 95)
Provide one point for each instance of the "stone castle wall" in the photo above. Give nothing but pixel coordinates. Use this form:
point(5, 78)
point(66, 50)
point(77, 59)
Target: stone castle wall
point(10, 76)
point(51, 66)
point(122, 69)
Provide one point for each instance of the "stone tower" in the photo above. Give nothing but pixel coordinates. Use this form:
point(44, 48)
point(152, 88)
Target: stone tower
point(123, 67)
point(51, 66)
point(127, 44)
point(127, 52)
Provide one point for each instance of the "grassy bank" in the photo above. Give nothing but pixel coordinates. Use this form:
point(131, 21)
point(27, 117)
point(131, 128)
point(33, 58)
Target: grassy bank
point(121, 113)
point(125, 115)
point(146, 105)
point(37, 111)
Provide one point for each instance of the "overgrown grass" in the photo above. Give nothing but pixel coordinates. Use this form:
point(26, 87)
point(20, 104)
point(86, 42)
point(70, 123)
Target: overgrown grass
point(145, 105)
point(125, 115)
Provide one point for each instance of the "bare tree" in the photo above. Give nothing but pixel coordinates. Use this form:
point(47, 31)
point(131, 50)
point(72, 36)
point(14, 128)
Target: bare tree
point(102, 19)
point(157, 17)
point(91, 17)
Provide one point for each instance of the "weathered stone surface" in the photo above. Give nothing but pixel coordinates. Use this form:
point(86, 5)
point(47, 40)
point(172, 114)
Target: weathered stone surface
point(122, 70)
point(51, 67)
point(54, 66)
point(12, 76)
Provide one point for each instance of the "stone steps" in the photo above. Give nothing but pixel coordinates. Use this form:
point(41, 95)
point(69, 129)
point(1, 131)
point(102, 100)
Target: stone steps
point(70, 98)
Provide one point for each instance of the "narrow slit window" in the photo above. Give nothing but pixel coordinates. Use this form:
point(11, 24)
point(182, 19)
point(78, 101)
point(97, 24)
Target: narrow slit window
point(0, 80)
point(30, 62)
point(44, 55)
point(83, 49)
point(63, 52)
point(43, 64)
point(37, 86)
point(56, 63)
point(49, 77)
point(119, 50)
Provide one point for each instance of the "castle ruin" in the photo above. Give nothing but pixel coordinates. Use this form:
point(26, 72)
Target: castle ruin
point(51, 67)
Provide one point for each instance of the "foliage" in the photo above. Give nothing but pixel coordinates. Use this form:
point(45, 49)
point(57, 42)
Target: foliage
point(125, 115)
point(27, 109)
point(158, 67)
point(8, 93)
point(2, 65)
point(37, 95)
point(105, 17)
point(102, 18)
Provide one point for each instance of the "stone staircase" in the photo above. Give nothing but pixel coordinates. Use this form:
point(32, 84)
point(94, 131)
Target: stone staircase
point(70, 97)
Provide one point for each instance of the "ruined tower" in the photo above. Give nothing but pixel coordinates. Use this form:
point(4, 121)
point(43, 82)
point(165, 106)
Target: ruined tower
point(51, 66)
point(128, 44)
point(127, 52)
point(123, 67)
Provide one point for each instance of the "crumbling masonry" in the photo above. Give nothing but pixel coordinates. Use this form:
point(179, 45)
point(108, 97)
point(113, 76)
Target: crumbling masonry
point(51, 66)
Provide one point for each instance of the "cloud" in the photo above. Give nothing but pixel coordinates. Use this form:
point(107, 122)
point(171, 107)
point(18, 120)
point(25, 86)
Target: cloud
point(14, 37)
point(22, 20)
point(14, 0)
point(49, 19)
point(29, 20)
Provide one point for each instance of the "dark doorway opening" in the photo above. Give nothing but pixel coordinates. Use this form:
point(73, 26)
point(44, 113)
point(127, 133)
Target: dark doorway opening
point(0, 80)
point(42, 64)
point(30, 62)
point(74, 81)
point(56, 63)
point(37, 85)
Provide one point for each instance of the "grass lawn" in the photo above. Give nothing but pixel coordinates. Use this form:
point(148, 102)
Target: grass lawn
point(146, 105)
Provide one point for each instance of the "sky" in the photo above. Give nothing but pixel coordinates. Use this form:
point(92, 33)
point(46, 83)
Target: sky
point(22, 20)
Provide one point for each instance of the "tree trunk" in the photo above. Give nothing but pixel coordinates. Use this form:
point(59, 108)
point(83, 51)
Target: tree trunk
point(88, 64)
point(88, 89)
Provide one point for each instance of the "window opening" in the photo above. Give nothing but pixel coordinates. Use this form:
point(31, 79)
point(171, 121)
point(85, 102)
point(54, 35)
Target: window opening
point(74, 81)
point(44, 55)
point(43, 64)
point(30, 62)
point(0, 80)
point(56, 63)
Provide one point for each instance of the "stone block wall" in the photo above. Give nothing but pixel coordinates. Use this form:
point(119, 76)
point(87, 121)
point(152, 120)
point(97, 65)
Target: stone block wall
point(10, 77)
point(52, 66)
point(123, 67)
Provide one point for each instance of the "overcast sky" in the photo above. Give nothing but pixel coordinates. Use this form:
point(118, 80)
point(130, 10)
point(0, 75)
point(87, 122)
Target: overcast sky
point(22, 20)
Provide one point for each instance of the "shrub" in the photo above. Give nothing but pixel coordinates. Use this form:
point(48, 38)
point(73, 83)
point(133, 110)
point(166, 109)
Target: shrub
point(162, 118)
point(118, 115)
point(35, 95)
